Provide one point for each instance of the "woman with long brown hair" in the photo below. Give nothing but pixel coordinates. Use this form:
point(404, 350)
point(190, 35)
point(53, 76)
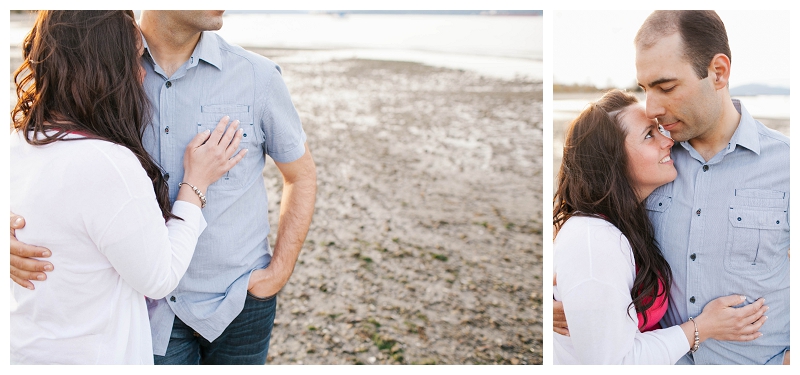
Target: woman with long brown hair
point(612, 279)
point(80, 174)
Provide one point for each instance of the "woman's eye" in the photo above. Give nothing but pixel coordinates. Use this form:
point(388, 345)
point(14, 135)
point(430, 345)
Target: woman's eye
point(662, 130)
point(649, 135)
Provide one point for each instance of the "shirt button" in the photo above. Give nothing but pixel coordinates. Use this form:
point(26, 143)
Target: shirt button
point(166, 130)
point(693, 256)
point(166, 177)
point(169, 84)
point(697, 212)
point(173, 299)
point(690, 299)
point(705, 168)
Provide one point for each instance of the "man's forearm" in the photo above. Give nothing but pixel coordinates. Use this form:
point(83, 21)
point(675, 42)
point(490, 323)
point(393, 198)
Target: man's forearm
point(297, 208)
point(296, 211)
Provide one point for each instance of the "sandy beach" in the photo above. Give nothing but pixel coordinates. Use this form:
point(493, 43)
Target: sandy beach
point(426, 243)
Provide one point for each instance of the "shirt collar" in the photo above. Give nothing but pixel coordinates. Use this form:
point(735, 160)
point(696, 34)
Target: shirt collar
point(746, 134)
point(207, 49)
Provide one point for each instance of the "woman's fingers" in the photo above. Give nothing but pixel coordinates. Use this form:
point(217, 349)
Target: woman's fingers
point(233, 142)
point(219, 131)
point(750, 331)
point(199, 139)
point(236, 159)
point(748, 337)
point(752, 328)
point(229, 134)
point(753, 311)
point(757, 314)
point(729, 301)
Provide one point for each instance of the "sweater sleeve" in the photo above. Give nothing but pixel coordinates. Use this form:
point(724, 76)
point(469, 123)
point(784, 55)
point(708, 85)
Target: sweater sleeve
point(595, 270)
point(127, 226)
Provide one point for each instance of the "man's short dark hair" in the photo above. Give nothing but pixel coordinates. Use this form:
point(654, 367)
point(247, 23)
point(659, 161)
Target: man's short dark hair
point(702, 33)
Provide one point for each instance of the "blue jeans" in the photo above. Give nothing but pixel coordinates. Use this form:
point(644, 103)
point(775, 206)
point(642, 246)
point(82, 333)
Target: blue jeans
point(244, 342)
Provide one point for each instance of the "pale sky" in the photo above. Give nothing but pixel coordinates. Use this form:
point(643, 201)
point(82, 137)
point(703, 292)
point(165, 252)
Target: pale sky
point(597, 46)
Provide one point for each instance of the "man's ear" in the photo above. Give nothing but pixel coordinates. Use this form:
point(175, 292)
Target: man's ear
point(720, 70)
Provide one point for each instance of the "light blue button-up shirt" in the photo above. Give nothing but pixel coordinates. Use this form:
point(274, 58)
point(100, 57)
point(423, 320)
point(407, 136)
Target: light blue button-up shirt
point(723, 226)
point(220, 79)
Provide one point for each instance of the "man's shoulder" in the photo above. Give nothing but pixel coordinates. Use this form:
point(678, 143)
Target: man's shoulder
point(241, 55)
point(772, 137)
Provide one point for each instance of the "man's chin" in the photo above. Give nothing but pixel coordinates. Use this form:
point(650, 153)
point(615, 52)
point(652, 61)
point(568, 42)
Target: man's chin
point(678, 136)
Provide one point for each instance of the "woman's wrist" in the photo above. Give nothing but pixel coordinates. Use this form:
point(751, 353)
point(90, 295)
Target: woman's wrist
point(695, 331)
point(688, 331)
point(193, 194)
point(196, 181)
point(702, 327)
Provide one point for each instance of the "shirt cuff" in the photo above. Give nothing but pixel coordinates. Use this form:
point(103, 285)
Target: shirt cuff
point(191, 214)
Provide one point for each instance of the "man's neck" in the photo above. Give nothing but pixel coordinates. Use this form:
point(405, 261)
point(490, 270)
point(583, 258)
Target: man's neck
point(718, 137)
point(170, 46)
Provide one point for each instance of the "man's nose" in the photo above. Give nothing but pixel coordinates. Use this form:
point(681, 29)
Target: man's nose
point(653, 107)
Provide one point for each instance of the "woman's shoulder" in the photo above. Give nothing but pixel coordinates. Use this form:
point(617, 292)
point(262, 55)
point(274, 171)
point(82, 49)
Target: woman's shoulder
point(111, 159)
point(590, 233)
point(584, 224)
point(94, 156)
point(591, 249)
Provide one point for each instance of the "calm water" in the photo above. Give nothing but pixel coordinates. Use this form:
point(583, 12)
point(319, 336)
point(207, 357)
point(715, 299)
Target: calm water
point(498, 46)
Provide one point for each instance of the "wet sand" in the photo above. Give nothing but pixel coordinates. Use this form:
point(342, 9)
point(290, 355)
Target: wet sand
point(426, 242)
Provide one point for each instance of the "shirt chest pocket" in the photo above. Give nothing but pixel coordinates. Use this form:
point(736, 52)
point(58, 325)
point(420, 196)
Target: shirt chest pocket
point(758, 230)
point(241, 173)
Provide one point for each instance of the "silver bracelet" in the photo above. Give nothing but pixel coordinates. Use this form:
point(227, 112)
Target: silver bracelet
point(696, 337)
point(196, 191)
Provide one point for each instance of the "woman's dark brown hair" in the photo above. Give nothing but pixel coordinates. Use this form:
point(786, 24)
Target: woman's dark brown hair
point(594, 181)
point(81, 74)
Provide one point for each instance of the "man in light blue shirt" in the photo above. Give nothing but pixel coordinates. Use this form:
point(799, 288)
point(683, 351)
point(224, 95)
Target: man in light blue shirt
point(723, 224)
point(223, 309)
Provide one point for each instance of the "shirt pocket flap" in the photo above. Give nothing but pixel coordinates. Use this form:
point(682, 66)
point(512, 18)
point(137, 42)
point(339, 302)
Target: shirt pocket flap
point(760, 198)
point(211, 114)
point(758, 218)
point(658, 202)
point(760, 193)
point(224, 108)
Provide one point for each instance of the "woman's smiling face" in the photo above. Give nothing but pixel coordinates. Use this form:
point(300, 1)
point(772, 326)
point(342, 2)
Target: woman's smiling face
point(649, 159)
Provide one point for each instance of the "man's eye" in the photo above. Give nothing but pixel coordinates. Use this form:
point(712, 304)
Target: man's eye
point(668, 89)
